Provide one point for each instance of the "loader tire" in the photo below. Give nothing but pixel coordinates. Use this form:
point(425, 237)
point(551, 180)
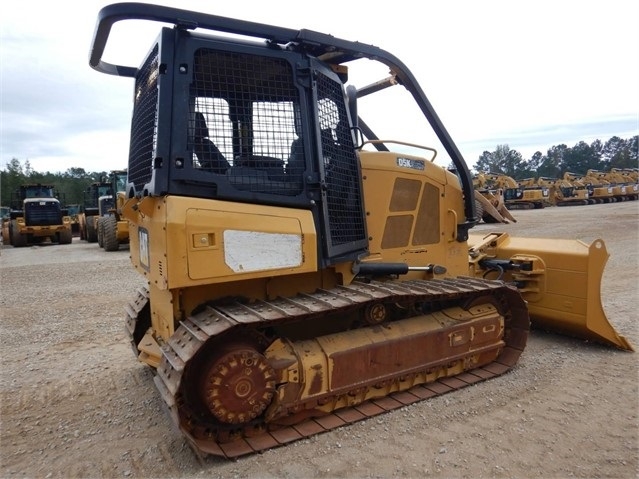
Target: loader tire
point(110, 233)
point(65, 237)
point(100, 232)
point(18, 240)
point(91, 231)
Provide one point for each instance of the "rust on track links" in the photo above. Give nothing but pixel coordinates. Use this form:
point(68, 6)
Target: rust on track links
point(308, 416)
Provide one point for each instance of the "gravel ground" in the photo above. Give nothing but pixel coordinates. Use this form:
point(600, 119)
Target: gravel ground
point(75, 403)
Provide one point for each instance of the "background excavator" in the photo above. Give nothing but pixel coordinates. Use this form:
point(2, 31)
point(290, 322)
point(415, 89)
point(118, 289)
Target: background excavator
point(623, 188)
point(303, 272)
point(598, 191)
point(526, 195)
point(562, 193)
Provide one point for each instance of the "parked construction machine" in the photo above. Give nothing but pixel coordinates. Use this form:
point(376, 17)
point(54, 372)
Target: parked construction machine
point(629, 177)
point(112, 227)
point(598, 191)
point(73, 211)
point(600, 178)
point(36, 215)
point(562, 193)
point(524, 195)
point(516, 196)
point(489, 201)
point(90, 212)
point(623, 187)
point(303, 272)
point(6, 221)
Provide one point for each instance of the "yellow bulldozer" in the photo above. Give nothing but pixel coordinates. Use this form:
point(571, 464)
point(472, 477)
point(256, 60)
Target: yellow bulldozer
point(305, 272)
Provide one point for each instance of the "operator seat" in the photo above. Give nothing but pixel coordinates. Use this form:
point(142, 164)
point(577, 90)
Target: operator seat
point(296, 161)
point(207, 153)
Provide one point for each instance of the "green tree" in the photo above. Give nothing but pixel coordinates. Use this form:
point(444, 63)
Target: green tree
point(619, 153)
point(550, 164)
point(503, 161)
point(10, 178)
point(582, 157)
point(69, 185)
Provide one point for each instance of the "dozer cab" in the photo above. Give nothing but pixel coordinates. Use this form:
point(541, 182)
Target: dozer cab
point(37, 216)
point(304, 271)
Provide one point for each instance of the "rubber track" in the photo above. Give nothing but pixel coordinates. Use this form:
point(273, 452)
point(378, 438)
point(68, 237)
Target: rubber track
point(197, 329)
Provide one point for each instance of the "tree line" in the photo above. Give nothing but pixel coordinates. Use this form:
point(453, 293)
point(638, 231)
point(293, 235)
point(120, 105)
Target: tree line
point(614, 153)
point(70, 185)
point(559, 159)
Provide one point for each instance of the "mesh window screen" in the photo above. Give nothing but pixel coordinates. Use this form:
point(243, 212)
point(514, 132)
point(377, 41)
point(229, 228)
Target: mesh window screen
point(340, 164)
point(144, 122)
point(242, 122)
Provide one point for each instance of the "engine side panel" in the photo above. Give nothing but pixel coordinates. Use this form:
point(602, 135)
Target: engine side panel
point(180, 242)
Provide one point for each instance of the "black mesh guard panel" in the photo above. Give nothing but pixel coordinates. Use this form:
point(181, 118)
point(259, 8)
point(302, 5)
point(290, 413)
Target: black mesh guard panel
point(344, 205)
point(242, 121)
point(144, 123)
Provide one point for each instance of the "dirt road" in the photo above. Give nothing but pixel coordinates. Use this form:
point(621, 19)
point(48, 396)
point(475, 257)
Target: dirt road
point(75, 403)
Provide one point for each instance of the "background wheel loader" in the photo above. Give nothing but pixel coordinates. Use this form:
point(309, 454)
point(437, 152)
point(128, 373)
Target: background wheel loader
point(89, 212)
point(303, 271)
point(111, 227)
point(36, 216)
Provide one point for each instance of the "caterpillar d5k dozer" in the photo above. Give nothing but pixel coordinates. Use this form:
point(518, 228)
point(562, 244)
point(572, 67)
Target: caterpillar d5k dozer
point(303, 273)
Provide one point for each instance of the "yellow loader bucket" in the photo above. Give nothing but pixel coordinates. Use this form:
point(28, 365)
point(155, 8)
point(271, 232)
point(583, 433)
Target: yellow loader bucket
point(559, 278)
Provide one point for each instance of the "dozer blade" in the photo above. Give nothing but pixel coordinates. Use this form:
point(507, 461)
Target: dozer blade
point(559, 278)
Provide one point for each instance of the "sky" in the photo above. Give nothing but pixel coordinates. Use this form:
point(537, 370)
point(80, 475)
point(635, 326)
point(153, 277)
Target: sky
point(527, 74)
